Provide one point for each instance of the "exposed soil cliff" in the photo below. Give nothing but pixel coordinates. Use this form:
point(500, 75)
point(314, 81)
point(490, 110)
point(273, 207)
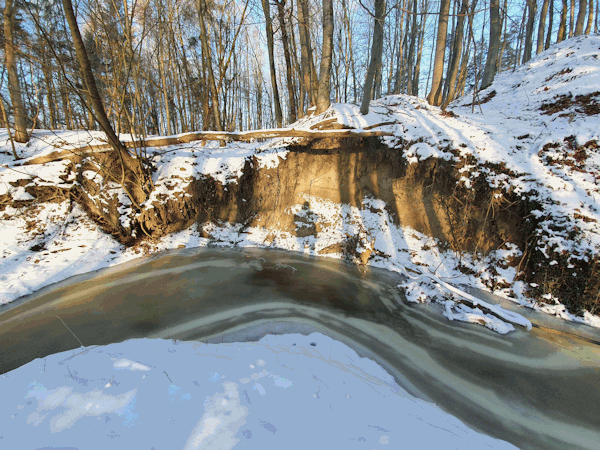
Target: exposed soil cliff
point(425, 196)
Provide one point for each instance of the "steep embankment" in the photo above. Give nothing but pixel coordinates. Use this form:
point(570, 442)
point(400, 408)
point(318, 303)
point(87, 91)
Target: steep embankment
point(502, 194)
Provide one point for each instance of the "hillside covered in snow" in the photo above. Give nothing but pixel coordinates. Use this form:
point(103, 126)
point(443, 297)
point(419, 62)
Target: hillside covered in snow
point(499, 192)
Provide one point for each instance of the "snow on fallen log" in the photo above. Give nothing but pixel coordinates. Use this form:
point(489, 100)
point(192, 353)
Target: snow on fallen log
point(496, 310)
point(215, 136)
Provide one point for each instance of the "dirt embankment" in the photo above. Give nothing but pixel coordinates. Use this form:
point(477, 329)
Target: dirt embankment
point(425, 196)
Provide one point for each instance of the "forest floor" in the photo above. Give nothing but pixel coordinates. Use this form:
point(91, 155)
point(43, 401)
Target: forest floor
point(500, 192)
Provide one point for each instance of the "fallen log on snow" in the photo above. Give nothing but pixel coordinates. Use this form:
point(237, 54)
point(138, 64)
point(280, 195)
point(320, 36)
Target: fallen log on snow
point(213, 136)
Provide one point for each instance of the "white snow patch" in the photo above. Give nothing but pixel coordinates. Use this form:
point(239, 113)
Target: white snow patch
point(343, 400)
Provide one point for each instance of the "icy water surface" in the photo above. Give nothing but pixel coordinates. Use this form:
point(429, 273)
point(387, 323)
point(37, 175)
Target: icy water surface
point(538, 389)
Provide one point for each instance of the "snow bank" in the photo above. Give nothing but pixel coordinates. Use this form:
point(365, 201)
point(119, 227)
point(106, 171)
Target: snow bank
point(288, 391)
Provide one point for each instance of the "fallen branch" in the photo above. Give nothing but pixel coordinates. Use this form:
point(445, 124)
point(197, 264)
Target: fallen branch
point(496, 310)
point(212, 136)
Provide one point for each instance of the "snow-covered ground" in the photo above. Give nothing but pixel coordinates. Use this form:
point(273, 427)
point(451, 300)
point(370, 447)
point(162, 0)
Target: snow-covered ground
point(288, 391)
point(49, 242)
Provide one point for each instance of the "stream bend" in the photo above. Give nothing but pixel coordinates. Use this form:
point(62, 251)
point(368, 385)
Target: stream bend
point(537, 389)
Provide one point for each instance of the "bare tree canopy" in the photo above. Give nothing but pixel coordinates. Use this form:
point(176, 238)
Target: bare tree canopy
point(168, 67)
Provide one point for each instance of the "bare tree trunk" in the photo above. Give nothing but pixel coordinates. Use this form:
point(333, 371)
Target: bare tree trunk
point(397, 54)
point(572, 19)
point(462, 77)
point(206, 56)
point(450, 45)
point(288, 60)
point(550, 21)
point(269, 30)
point(532, 7)
point(581, 17)
point(417, 74)
point(47, 71)
point(350, 50)
point(397, 50)
point(491, 64)
point(435, 95)
point(137, 188)
point(376, 52)
point(542, 28)
point(414, 33)
point(14, 87)
point(456, 54)
point(64, 98)
point(165, 92)
point(306, 51)
point(323, 101)
point(520, 43)
point(297, 72)
point(562, 27)
point(505, 35)
point(352, 67)
point(259, 92)
point(590, 20)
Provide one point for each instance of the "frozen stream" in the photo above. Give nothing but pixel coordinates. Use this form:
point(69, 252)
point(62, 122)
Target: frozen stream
point(538, 389)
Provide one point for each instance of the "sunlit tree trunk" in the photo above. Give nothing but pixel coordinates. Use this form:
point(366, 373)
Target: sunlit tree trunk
point(550, 22)
point(435, 95)
point(376, 52)
point(562, 26)
point(208, 63)
point(590, 20)
point(14, 86)
point(269, 30)
point(462, 77)
point(410, 63)
point(308, 64)
point(456, 54)
point(531, 7)
point(581, 17)
point(137, 188)
point(572, 19)
point(491, 64)
point(346, 20)
point(417, 72)
point(323, 101)
point(288, 60)
point(541, 28)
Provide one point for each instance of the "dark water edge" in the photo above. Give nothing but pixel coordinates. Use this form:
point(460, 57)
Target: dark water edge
point(538, 389)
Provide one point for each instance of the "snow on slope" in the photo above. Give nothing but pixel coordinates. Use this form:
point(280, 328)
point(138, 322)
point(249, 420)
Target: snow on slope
point(290, 391)
point(534, 133)
point(516, 149)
